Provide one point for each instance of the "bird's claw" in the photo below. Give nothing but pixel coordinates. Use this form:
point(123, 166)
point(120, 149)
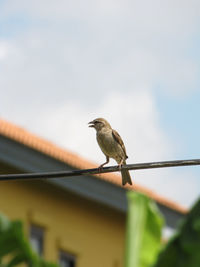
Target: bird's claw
point(120, 167)
point(100, 168)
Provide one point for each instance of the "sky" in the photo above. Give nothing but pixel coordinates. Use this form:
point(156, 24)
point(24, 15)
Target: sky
point(136, 63)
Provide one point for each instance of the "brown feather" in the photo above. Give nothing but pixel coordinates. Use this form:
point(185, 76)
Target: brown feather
point(118, 138)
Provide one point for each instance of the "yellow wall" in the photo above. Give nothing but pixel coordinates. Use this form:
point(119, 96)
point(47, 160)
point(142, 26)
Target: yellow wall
point(94, 233)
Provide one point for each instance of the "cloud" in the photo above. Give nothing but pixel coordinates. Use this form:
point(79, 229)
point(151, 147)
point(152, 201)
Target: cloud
point(4, 47)
point(169, 12)
point(140, 129)
point(99, 46)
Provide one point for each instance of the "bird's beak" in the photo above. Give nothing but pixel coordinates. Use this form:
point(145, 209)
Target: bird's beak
point(91, 124)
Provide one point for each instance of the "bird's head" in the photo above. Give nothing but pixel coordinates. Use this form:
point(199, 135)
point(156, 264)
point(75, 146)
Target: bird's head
point(99, 123)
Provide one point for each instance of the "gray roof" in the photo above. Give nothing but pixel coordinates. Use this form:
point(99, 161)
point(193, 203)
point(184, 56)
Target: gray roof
point(25, 159)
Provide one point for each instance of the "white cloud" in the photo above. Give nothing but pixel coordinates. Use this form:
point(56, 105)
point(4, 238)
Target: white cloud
point(171, 13)
point(140, 128)
point(3, 50)
point(107, 44)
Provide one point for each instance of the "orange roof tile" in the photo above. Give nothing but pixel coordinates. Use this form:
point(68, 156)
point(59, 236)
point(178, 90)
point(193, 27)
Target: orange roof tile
point(26, 138)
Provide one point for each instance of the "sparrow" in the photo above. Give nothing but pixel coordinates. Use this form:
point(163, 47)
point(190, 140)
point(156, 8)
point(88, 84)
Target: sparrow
point(111, 145)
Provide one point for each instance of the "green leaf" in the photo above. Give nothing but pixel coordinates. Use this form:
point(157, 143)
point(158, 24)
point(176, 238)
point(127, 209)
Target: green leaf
point(14, 244)
point(144, 229)
point(183, 249)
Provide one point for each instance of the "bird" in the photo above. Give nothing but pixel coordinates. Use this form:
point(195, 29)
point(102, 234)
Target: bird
point(111, 145)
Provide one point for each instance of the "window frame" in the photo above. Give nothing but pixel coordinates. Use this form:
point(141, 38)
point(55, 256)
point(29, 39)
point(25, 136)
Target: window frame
point(37, 233)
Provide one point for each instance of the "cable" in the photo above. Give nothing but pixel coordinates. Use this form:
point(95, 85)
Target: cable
point(64, 174)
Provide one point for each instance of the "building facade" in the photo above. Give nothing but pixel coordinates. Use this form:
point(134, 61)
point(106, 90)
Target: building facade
point(77, 221)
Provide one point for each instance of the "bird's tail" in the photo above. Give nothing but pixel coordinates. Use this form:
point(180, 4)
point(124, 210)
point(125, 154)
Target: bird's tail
point(126, 178)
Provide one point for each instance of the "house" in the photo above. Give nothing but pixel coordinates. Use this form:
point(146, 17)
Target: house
point(78, 221)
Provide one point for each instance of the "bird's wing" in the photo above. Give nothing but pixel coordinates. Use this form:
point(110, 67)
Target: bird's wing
point(118, 139)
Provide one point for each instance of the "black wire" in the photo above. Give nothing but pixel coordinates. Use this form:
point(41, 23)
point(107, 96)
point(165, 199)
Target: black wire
point(64, 174)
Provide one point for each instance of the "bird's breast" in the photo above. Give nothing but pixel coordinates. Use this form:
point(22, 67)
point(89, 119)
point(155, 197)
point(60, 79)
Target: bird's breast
point(109, 146)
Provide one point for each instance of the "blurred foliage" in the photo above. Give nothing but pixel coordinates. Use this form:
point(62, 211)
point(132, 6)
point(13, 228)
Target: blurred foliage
point(143, 239)
point(183, 250)
point(144, 231)
point(15, 248)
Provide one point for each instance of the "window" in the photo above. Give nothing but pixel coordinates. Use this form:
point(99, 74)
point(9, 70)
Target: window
point(66, 259)
point(37, 238)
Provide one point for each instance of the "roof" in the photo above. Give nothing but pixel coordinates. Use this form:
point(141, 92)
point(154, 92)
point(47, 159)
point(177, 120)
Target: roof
point(30, 140)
